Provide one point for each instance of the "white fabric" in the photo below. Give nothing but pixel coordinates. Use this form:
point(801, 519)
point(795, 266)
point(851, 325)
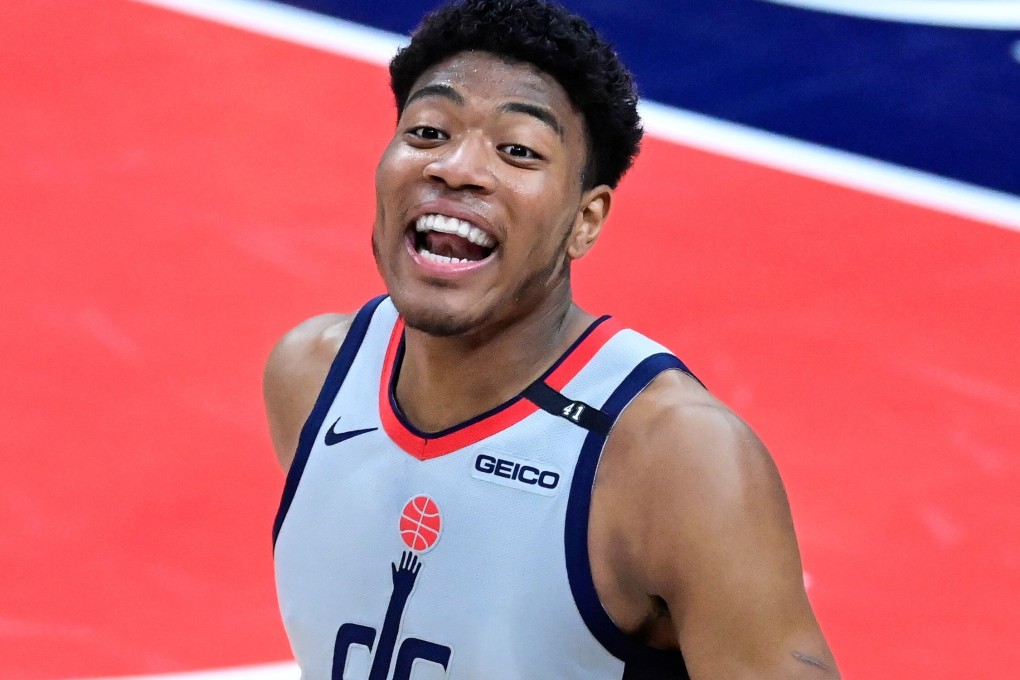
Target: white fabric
point(494, 588)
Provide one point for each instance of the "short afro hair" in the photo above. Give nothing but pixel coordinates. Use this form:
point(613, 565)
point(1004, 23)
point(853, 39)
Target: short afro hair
point(556, 42)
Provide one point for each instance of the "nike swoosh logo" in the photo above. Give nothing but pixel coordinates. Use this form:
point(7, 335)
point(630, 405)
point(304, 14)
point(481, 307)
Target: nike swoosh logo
point(333, 437)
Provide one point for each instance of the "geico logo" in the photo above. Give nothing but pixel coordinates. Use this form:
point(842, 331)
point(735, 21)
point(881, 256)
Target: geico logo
point(518, 472)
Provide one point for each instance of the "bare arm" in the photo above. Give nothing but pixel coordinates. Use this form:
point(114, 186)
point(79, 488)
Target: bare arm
point(715, 540)
point(294, 374)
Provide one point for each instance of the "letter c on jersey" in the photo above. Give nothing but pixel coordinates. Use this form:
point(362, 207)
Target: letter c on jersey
point(411, 649)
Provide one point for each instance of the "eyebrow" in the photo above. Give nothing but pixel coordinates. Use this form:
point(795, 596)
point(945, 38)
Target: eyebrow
point(447, 92)
point(538, 112)
point(436, 90)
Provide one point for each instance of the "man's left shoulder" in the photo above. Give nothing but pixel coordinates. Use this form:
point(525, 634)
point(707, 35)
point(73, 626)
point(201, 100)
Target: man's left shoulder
point(708, 530)
point(677, 430)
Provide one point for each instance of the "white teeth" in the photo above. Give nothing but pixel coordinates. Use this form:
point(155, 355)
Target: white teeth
point(479, 237)
point(452, 225)
point(432, 257)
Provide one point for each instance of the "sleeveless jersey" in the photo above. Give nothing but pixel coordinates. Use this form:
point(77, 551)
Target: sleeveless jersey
point(462, 554)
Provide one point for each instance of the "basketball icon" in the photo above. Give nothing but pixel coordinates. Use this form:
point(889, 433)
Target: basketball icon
point(420, 523)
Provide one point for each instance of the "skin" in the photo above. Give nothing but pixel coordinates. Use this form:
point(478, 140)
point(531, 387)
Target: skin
point(691, 541)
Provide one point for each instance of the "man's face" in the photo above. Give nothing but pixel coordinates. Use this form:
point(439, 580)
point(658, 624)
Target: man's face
point(477, 194)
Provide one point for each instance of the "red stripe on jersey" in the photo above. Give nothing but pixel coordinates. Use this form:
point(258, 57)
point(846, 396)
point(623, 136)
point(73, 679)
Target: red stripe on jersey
point(514, 411)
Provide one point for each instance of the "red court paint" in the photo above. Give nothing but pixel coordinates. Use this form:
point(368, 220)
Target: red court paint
point(175, 194)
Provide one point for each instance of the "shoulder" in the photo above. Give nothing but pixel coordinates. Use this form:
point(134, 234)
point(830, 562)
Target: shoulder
point(709, 532)
point(294, 374)
point(310, 340)
point(676, 425)
point(679, 452)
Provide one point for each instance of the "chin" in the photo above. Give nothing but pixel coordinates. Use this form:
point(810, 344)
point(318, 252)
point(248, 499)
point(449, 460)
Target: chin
point(437, 324)
point(432, 316)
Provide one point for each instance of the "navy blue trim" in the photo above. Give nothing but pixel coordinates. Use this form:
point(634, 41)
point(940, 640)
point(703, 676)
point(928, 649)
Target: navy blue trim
point(942, 99)
point(399, 358)
point(656, 664)
point(334, 379)
point(582, 587)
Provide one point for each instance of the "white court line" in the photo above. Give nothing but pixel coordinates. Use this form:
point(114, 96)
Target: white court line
point(832, 165)
point(294, 25)
point(998, 15)
point(672, 124)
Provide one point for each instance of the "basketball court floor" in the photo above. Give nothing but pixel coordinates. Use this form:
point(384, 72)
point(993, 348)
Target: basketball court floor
point(176, 192)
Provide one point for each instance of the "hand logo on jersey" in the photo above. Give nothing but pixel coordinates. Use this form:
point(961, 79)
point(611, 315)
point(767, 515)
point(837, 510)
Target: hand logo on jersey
point(420, 526)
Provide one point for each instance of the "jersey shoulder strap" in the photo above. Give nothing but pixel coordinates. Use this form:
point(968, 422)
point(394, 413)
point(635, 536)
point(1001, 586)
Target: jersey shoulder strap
point(338, 371)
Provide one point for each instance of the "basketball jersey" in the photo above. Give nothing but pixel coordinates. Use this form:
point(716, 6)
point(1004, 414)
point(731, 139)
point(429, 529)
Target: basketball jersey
point(462, 554)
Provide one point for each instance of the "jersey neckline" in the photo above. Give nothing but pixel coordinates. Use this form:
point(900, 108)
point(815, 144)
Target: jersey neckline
point(425, 446)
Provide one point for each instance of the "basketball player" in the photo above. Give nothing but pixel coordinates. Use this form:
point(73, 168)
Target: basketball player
point(486, 482)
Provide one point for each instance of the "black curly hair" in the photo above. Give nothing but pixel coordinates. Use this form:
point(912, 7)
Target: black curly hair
point(556, 42)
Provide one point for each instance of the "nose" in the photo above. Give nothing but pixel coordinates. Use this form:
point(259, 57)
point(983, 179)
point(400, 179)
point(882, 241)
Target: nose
point(464, 163)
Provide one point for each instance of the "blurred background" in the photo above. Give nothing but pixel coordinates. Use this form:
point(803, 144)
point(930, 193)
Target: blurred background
point(823, 224)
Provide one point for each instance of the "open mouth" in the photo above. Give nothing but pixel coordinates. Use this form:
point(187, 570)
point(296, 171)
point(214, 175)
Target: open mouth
point(449, 240)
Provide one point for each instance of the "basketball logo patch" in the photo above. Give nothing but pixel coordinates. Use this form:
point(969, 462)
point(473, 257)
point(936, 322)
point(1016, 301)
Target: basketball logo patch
point(420, 524)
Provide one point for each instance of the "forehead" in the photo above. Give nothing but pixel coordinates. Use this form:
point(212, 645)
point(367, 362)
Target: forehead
point(483, 76)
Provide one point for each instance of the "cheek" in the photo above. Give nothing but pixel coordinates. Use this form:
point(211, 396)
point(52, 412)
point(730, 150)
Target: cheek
point(553, 209)
point(393, 176)
point(385, 172)
point(397, 164)
point(538, 197)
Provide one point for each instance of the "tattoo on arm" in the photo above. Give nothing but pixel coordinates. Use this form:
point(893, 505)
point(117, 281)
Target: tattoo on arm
point(811, 661)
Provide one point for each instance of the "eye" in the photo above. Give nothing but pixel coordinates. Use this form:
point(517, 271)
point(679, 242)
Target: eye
point(426, 133)
point(520, 151)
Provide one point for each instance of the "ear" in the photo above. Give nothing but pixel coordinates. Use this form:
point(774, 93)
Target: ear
point(591, 215)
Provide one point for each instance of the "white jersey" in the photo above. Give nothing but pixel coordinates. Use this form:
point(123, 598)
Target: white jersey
point(463, 554)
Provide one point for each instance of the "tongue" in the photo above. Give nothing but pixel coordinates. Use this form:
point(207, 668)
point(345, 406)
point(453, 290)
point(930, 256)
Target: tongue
point(451, 245)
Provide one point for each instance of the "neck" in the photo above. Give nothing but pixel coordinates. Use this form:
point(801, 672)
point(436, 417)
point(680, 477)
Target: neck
point(444, 381)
